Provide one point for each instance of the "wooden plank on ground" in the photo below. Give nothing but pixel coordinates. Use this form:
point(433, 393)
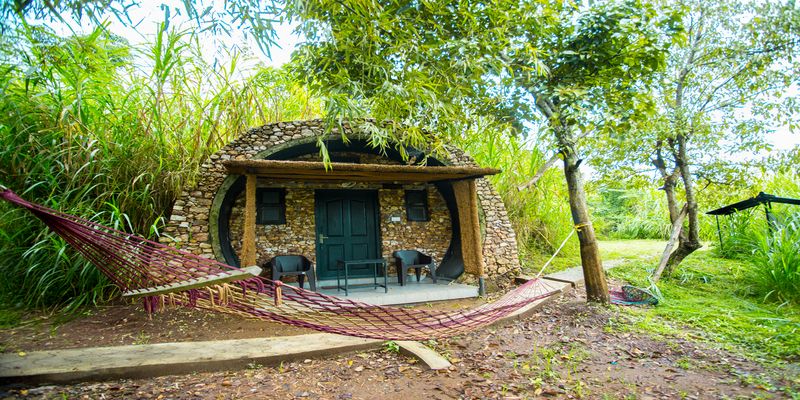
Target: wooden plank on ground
point(141, 361)
point(417, 350)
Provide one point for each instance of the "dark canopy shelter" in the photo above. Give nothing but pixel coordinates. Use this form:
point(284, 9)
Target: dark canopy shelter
point(762, 198)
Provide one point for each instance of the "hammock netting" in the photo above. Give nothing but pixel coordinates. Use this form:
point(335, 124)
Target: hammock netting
point(134, 263)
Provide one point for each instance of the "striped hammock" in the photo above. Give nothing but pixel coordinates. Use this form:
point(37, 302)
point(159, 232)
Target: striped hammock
point(162, 275)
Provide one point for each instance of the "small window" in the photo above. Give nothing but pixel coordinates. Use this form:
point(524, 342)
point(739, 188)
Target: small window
point(270, 206)
point(417, 205)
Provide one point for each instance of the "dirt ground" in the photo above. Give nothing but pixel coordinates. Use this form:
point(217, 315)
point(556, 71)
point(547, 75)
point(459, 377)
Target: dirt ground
point(567, 350)
point(126, 323)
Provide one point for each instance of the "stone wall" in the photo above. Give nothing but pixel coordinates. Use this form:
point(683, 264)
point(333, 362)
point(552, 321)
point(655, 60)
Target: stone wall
point(430, 237)
point(192, 225)
point(297, 235)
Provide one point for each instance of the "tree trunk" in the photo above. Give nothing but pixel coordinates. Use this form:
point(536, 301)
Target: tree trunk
point(670, 181)
point(688, 241)
point(593, 274)
point(677, 227)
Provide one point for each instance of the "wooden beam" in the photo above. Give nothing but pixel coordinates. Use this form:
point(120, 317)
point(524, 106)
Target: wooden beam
point(249, 237)
point(344, 172)
point(476, 226)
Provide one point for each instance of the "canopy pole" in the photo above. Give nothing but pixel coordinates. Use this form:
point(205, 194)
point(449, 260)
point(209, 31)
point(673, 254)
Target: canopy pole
point(719, 232)
point(249, 239)
point(767, 206)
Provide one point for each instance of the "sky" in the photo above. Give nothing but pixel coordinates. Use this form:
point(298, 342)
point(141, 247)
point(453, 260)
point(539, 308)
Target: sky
point(147, 16)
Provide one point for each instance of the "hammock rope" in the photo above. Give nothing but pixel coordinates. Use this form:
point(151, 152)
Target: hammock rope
point(136, 264)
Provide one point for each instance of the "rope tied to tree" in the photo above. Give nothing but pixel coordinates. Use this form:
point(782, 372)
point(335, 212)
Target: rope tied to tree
point(563, 243)
point(579, 227)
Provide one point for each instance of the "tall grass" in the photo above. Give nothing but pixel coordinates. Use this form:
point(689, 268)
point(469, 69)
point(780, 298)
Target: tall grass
point(776, 255)
point(97, 128)
point(738, 232)
point(540, 215)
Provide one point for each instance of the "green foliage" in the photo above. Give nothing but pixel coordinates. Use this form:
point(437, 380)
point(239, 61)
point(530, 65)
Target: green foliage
point(713, 299)
point(391, 347)
point(742, 230)
point(426, 67)
point(776, 255)
point(773, 249)
point(253, 18)
point(738, 232)
point(89, 129)
point(631, 214)
point(599, 60)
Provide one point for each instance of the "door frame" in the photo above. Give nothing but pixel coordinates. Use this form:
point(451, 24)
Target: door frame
point(375, 195)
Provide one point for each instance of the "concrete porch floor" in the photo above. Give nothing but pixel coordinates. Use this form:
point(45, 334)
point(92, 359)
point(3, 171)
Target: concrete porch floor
point(413, 292)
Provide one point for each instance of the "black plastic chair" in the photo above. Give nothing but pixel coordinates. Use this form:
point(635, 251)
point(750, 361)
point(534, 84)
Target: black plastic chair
point(294, 265)
point(407, 259)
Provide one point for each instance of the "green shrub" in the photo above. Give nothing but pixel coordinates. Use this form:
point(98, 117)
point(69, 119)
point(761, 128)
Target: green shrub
point(776, 255)
point(631, 214)
point(738, 231)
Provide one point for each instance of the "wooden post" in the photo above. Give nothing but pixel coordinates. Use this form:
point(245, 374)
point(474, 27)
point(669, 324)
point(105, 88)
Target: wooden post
point(466, 192)
point(249, 237)
point(476, 236)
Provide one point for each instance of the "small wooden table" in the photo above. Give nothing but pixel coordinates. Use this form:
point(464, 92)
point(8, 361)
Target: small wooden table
point(374, 262)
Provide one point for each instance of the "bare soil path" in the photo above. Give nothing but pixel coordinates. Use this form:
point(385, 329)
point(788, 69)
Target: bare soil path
point(567, 350)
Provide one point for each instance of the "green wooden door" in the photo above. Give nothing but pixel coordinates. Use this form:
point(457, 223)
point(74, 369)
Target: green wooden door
point(346, 229)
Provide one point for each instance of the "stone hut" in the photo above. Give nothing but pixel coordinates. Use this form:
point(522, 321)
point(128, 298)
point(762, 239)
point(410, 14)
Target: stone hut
point(383, 203)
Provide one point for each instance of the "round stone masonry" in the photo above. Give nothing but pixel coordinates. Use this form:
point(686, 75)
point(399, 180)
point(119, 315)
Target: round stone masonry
point(193, 224)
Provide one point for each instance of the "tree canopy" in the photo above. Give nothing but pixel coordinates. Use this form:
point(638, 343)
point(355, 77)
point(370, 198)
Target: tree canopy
point(675, 89)
point(726, 77)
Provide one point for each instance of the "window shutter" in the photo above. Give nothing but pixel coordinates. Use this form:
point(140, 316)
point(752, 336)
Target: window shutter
point(270, 206)
point(417, 205)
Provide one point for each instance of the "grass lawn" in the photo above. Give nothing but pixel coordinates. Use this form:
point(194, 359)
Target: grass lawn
point(713, 299)
point(707, 298)
point(631, 249)
point(609, 250)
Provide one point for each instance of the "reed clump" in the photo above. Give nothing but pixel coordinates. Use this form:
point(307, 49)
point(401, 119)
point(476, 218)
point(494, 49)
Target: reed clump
point(93, 126)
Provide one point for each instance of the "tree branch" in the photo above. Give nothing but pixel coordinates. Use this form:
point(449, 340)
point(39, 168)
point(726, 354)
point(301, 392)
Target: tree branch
point(547, 165)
